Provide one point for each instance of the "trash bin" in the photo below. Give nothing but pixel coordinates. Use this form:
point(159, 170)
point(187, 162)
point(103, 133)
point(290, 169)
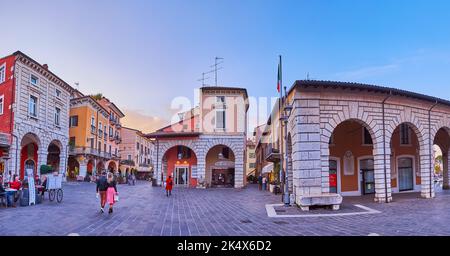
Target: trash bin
point(24, 197)
point(154, 184)
point(38, 197)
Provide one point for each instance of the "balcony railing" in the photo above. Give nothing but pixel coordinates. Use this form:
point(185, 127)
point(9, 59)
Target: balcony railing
point(272, 154)
point(93, 129)
point(88, 151)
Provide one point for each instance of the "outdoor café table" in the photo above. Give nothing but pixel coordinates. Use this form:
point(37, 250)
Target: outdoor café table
point(10, 193)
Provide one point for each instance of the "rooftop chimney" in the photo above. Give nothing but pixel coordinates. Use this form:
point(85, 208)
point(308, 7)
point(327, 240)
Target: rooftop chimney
point(45, 66)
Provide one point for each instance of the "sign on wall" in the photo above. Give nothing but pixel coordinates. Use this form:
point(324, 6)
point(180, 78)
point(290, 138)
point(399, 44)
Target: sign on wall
point(349, 163)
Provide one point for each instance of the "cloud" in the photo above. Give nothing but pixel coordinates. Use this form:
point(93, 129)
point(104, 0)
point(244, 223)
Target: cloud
point(136, 119)
point(368, 72)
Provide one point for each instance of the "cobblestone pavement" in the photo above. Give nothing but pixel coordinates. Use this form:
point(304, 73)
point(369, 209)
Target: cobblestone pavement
point(145, 210)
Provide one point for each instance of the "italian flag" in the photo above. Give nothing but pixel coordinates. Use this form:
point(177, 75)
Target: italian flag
point(279, 76)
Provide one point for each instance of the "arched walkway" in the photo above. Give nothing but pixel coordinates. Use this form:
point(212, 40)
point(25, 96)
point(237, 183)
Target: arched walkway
point(53, 155)
point(220, 167)
point(30, 144)
point(180, 162)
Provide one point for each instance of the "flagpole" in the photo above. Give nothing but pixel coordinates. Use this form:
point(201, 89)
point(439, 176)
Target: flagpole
point(280, 138)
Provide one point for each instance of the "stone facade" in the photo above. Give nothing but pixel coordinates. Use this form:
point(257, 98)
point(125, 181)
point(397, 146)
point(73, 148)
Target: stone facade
point(319, 107)
point(51, 93)
point(201, 146)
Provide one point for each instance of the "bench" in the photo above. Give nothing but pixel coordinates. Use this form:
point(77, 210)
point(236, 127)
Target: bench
point(326, 199)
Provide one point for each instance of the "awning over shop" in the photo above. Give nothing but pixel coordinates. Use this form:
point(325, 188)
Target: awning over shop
point(268, 168)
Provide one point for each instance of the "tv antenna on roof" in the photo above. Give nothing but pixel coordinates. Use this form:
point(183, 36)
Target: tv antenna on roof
point(203, 78)
point(216, 63)
point(77, 84)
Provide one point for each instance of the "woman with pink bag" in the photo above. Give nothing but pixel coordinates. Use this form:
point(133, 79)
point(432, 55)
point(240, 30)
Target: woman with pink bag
point(111, 192)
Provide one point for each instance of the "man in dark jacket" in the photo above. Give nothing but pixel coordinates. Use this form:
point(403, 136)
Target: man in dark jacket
point(102, 186)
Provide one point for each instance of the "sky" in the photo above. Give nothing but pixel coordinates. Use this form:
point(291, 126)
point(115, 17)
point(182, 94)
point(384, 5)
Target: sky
point(143, 54)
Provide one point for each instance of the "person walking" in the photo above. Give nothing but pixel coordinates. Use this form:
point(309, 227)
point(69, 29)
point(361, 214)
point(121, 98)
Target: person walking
point(260, 182)
point(169, 184)
point(111, 191)
point(101, 190)
point(264, 183)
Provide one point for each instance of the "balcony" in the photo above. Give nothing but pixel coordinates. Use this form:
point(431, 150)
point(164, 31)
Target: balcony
point(127, 162)
point(118, 139)
point(272, 154)
point(73, 151)
point(93, 129)
point(5, 139)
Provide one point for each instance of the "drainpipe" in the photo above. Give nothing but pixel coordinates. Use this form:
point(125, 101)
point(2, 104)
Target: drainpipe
point(17, 148)
point(430, 143)
point(384, 148)
point(157, 158)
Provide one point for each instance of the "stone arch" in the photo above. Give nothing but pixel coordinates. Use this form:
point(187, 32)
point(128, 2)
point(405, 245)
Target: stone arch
point(441, 138)
point(421, 130)
point(375, 132)
point(417, 126)
point(55, 155)
point(209, 168)
point(30, 148)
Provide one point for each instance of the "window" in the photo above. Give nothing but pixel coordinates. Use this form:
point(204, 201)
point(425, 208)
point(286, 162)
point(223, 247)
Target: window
point(226, 153)
point(73, 122)
point(404, 134)
point(251, 155)
point(58, 93)
point(183, 152)
point(34, 80)
point(104, 148)
point(129, 157)
point(92, 142)
point(220, 119)
point(115, 151)
point(92, 125)
point(252, 165)
point(99, 146)
point(57, 116)
point(1, 104)
point(137, 145)
point(367, 139)
point(110, 149)
point(32, 106)
point(2, 73)
point(220, 99)
point(111, 132)
point(100, 132)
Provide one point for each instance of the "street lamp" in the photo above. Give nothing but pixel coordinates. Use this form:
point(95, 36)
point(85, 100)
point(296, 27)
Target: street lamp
point(284, 120)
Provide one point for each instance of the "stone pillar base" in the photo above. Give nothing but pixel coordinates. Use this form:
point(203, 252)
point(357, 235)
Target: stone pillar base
point(325, 199)
point(383, 199)
point(427, 195)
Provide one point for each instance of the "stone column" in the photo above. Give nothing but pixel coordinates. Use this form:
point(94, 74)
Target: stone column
point(83, 167)
point(239, 169)
point(445, 172)
point(382, 179)
point(427, 188)
point(14, 153)
point(42, 159)
point(307, 165)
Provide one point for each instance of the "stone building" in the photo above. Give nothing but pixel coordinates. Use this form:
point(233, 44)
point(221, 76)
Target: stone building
point(35, 116)
point(356, 139)
point(206, 148)
point(136, 152)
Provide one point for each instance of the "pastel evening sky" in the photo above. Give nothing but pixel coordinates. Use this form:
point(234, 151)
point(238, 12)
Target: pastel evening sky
point(142, 54)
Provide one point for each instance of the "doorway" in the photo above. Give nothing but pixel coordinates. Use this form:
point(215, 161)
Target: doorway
point(405, 174)
point(367, 170)
point(181, 176)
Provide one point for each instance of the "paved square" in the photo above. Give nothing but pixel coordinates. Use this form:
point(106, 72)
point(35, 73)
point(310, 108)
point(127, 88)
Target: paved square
point(145, 210)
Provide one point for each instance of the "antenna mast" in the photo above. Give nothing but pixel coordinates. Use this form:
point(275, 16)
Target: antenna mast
point(216, 63)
